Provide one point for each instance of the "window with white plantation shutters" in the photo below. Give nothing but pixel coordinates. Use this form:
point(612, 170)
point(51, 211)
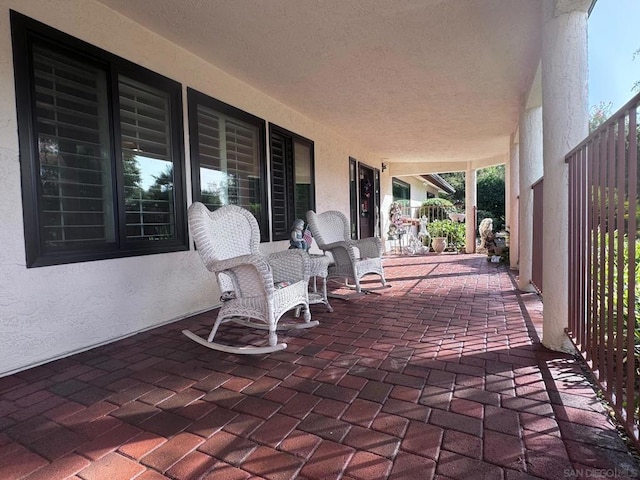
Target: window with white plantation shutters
point(212, 177)
point(75, 168)
point(227, 156)
point(146, 158)
point(101, 151)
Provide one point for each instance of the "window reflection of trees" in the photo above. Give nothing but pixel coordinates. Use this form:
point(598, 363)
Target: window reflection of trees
point(150, 211)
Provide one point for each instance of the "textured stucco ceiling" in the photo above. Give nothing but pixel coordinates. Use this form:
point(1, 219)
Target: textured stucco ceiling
point(411, 80)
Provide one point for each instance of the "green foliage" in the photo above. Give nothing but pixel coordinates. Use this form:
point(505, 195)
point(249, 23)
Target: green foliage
point(437, 202)
point(454, 232)
point(599, 114)
point(435, 209)
point(603, 264)
point(457, 181)
point(438, 228)
point(482, 214)
point(616, 301)
point(491, 191)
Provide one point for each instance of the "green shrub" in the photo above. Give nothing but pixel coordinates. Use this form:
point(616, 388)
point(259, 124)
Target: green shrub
point(498, 222)
point(438, 228)
point(614, 303)
point(454, 232)
point(481, 215)
point(436, 209)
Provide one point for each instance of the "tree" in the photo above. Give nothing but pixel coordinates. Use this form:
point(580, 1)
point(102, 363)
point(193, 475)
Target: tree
point(491, 193)
point(457, 181)
point(490, 187)
point(599, 114)
point(636, 85)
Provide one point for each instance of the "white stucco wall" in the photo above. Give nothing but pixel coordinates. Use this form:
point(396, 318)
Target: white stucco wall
point(530, 172)
point(50, 312)
point(418, 193)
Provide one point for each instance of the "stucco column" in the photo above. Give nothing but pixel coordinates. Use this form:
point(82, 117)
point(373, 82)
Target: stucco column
point(564, 125)
point(470, 202)
point(512, 200)
point(507, 189)
point(530, 172)
point(386, 199)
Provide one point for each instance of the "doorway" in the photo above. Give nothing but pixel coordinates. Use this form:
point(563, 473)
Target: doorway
point(367, 201)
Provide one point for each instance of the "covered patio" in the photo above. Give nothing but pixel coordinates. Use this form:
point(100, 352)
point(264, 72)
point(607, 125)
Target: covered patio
point(440, 376)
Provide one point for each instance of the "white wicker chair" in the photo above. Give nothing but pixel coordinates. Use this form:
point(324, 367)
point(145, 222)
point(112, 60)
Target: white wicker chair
point(353, 259)
point(264, 287)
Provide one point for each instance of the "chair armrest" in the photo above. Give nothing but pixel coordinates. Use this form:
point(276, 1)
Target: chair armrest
point(347, 246)
point(218, 266)
point(369, 247)
point(252, 272)
point(340, 244)
point(290, 265)
point(342, 252)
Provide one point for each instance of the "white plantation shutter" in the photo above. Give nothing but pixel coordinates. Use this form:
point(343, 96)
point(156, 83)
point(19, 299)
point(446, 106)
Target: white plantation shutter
point(229, 160)
point(144, 117)
point(209, 138)
point(241, 143)
point(145, 133)
point(73, 145)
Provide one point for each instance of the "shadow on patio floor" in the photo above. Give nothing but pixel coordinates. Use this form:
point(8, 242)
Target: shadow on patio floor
point(441, 375)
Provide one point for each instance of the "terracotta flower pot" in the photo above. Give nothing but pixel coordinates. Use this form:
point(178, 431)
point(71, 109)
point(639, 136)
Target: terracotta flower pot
point(439, 244)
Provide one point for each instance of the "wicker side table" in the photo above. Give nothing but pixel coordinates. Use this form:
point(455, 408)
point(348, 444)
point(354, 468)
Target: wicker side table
point(319, 267)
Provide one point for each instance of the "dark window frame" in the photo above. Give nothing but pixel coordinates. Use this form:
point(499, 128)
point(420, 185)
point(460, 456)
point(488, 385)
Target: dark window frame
point(401, 184)
point(376, 202)
point(289, 213)
point(353, 198)
point(196, 98)
point(25, 32)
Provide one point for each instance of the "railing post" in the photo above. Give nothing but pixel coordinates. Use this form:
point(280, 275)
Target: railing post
point(603, 236)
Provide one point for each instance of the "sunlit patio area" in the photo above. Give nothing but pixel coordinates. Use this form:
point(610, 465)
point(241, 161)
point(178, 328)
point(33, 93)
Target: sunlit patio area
point(441, 375)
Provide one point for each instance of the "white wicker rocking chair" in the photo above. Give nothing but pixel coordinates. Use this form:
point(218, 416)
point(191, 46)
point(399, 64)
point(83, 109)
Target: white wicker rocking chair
point(331, 232)
point(259, 288)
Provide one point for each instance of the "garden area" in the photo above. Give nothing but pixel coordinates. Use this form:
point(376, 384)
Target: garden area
point(440, 222)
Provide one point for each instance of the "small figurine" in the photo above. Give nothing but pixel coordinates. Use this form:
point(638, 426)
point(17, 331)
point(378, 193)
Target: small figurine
point(423, 233)
point(395, 220)
point(297, 236)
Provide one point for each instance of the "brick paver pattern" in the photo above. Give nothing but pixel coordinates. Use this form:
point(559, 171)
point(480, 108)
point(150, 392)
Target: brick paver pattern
point(441, 375)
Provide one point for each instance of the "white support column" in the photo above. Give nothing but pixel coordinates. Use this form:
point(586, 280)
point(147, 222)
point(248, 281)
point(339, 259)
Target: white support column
point(470, 202)
point(512, 200)
point(530, 172)
point(386, 199)
point(564, 125)
point(507, 189)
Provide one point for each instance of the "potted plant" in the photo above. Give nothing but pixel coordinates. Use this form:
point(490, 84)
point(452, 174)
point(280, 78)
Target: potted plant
point(438, 233)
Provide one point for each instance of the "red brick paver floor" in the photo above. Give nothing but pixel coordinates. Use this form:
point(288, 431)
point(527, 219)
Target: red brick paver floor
point(439, 376)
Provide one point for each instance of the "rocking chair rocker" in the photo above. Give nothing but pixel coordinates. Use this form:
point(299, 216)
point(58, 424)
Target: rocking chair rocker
point(257, 289)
